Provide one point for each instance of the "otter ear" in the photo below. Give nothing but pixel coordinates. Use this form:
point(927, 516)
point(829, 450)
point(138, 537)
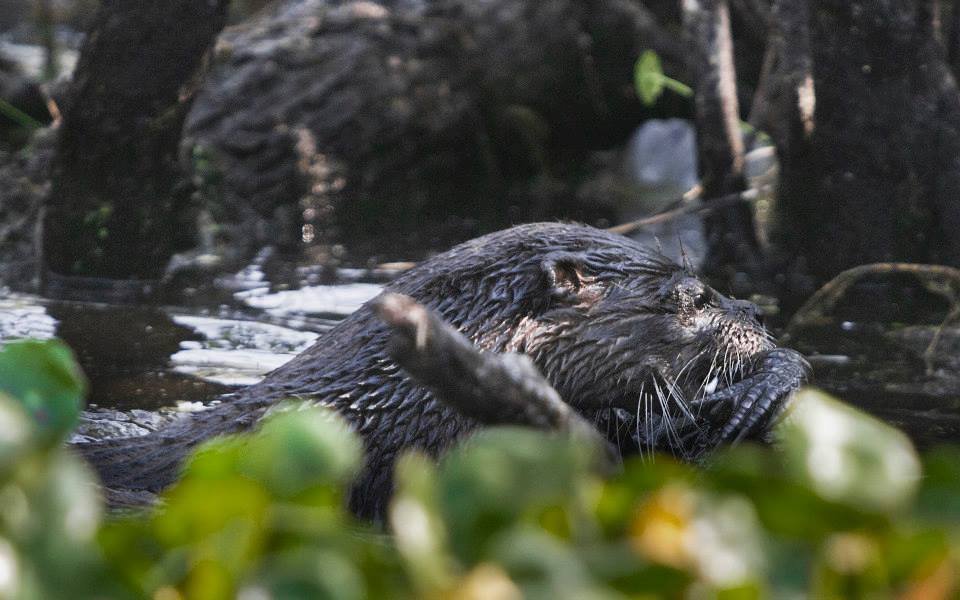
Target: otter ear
point(567, 277)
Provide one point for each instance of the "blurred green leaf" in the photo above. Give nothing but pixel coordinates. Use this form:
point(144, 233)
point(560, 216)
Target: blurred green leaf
point(727, 544)
point(15, 432)
point(51, 513)
point(309, 573)
point(848, 456)
point(911, 555)
point(851, 565)
point(299, 448)
point(939, 496)
point(618, 498)
point(509, 474)
point(44, 378)
point(648, 77)
point(786, 503)
point(419, 532)
point(649, 80)
point(197, 509)
point(543, 566)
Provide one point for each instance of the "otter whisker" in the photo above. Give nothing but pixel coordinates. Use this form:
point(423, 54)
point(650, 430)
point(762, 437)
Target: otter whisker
point(682, 403)
point(702, 391)
point(648, 410)
point(616, 425)
point(673, 438)
point(689, 363)
point(728, 361)
point(677, 395)
point(665, 426)
point(645, 402)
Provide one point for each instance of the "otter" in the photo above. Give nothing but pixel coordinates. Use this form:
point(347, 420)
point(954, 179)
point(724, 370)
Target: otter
point(636, 343)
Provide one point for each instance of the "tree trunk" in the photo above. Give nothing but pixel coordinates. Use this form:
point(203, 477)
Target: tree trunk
point(117, 207)
point(953, 38)
point(873, 173)
point(730, 233)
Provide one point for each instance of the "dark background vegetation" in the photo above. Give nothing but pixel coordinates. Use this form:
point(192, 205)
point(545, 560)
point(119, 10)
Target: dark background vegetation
point(361, 129)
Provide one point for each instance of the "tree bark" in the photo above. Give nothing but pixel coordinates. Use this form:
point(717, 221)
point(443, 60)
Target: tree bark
point(953, 39)
point(720, 150)
point(872, 174)
point(117, 207)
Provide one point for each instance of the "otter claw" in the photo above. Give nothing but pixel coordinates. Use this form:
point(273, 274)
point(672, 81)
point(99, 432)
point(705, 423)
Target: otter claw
point(757, 400)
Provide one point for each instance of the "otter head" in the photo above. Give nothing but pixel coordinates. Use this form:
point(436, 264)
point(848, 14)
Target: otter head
point(636, 335)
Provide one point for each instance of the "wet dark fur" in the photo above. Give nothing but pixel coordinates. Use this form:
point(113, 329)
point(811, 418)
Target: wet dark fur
point(623, 334)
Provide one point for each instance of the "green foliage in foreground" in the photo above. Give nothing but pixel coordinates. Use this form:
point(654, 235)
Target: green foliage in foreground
point(840, 511)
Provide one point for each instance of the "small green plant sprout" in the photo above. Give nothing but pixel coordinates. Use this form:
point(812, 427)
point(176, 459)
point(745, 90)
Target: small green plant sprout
point(650, 81)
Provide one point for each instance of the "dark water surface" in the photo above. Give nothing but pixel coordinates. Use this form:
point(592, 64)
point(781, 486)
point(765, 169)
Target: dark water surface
point(145, 363)
point(883, 370)
point(146, 358)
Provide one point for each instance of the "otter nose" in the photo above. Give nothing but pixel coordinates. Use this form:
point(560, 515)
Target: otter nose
point(748, 310)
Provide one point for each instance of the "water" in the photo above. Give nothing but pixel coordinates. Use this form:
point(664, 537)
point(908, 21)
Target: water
point(885, 371)
point(147, 364)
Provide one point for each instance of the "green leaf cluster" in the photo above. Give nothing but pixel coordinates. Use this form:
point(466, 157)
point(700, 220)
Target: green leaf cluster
point(842, 507)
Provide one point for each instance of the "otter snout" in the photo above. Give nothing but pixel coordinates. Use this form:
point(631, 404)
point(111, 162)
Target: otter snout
point(746, 310)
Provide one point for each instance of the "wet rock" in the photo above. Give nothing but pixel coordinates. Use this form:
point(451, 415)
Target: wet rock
point(324, 120)
point(148, 419)
point(22, 316)
point(105, 423)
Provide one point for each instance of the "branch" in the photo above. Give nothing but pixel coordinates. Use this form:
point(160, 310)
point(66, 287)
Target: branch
point(494, 389)
point(938, 279)
point(690, 203)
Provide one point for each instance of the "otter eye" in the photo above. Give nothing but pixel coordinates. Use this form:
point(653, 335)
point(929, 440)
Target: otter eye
point(701, 300)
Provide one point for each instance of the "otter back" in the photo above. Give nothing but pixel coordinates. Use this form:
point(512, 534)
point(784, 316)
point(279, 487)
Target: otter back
point(626, 336)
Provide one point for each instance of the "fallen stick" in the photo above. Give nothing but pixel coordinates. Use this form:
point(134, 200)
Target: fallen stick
point(494, 389)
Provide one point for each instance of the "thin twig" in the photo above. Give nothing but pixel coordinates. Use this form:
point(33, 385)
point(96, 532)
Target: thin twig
point(688, 206)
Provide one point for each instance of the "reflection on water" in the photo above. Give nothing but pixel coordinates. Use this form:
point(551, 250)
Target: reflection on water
point(236, 352)
point(125, 352)
point(320, 300)
point(149, 357)
point(22, 317)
